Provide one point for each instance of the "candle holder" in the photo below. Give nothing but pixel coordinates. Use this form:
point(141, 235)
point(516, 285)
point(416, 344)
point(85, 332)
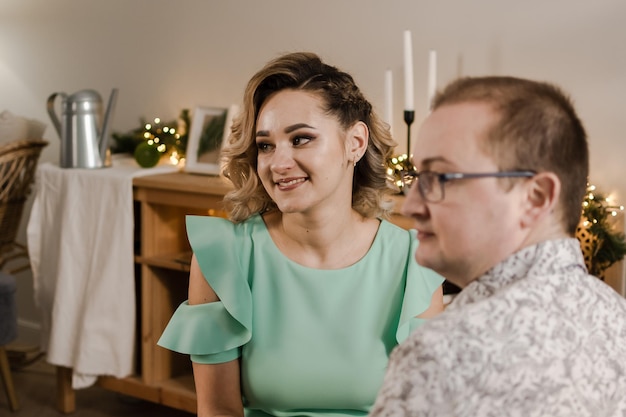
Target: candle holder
point(409, 117)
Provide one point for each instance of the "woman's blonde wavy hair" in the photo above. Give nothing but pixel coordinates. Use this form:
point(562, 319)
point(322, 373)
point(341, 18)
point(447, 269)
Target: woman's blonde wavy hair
point(342, 99)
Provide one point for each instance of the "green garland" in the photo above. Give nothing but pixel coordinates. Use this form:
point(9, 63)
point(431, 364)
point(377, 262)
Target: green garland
point(165, 136)
point(608, 246)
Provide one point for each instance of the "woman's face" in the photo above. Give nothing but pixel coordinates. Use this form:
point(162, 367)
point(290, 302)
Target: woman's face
point(302, 161)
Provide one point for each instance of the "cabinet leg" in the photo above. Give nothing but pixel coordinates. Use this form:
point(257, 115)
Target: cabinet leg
point(66, 397)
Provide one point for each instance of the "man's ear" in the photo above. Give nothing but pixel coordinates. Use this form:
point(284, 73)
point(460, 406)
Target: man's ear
point(542, 197)
point(356, 140)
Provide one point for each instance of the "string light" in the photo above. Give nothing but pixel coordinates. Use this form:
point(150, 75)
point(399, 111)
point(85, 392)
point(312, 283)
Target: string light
point(602, 245)
point(395, 166)
point(166, 139)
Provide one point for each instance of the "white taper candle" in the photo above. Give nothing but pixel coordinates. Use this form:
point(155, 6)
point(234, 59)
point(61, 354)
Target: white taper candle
point(408, 72)
point(388, 115)
point(432, 77)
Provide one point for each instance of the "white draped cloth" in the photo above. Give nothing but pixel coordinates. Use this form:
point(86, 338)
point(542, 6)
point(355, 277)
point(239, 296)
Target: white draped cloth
point(81, 243)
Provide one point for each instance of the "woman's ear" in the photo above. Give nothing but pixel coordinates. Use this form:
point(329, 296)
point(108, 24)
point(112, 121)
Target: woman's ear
point(357, 140)
point(541, 197)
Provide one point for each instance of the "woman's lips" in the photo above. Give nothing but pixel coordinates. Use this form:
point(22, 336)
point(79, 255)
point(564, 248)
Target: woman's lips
point(289, 183)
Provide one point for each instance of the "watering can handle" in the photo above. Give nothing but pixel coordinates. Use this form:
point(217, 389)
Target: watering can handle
point(104, 133)
point(53, 116)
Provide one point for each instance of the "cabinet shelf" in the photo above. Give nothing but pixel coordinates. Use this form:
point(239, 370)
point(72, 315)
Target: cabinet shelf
point(178, 392)
point(178, 261)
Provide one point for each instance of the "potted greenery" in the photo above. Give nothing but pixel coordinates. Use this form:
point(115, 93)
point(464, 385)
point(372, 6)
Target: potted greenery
point(602, 245)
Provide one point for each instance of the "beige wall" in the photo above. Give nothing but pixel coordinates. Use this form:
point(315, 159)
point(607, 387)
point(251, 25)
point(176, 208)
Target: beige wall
point(165, 55)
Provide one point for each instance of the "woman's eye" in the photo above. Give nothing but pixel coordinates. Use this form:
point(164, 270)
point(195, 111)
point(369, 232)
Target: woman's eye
point(301, 140)
point(263, 147)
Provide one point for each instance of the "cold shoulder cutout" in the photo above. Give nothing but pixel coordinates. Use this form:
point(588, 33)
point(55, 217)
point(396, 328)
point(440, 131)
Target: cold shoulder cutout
point(212, 332)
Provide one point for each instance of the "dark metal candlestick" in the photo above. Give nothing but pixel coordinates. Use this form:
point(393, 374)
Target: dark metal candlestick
point(409, 116)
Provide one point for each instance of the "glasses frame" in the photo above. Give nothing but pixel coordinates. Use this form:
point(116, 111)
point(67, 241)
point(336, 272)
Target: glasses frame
point(444, 177)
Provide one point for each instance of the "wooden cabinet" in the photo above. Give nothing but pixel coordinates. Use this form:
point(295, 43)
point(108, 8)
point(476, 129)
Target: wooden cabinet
point(162, 256)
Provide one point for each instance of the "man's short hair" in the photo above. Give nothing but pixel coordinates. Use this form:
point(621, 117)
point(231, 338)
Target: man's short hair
point(537, 130)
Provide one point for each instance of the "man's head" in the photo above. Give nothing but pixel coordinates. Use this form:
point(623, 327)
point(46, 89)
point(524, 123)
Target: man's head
point(528, 130)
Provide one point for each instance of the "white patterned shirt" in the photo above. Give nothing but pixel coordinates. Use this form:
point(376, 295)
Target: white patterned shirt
point(535, 336)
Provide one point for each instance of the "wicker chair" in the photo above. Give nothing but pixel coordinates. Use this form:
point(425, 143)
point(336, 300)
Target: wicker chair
point(18, 162)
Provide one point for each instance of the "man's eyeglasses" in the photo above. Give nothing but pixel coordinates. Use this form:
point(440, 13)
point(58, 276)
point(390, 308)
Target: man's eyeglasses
point(430, 184)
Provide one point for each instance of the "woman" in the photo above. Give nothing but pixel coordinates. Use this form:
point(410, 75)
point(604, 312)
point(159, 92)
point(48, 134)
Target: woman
point(296, 302)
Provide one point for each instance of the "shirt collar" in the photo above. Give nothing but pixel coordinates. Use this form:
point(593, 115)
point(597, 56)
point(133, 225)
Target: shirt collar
point(545, 258)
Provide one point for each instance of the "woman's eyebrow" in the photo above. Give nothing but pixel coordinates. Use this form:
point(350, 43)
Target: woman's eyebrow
point(297, 126)
point(288, 129)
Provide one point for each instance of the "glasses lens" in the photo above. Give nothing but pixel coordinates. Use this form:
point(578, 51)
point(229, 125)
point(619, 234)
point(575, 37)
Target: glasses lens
point(430, 187)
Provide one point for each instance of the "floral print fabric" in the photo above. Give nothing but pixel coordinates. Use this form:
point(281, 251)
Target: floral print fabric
point(535, 336)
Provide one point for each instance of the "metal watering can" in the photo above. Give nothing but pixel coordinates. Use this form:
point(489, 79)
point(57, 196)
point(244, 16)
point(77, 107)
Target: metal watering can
point(82, 128)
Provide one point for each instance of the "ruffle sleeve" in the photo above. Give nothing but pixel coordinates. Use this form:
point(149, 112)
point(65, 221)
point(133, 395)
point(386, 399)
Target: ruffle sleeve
point(214, 332)
point(421, 283)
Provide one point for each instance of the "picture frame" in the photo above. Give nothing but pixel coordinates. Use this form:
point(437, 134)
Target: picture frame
point(210, 127)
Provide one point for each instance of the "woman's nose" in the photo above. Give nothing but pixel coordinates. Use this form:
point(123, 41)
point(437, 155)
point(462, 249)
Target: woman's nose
point(282, 158)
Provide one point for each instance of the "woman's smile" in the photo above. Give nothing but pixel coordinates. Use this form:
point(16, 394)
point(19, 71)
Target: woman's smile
point(287, 184)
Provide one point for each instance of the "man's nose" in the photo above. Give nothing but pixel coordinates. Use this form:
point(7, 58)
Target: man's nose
point(414, 204)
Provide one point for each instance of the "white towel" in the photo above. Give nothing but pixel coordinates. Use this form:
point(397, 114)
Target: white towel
point(80, 237)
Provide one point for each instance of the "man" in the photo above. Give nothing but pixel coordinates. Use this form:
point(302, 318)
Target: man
point(501, 171)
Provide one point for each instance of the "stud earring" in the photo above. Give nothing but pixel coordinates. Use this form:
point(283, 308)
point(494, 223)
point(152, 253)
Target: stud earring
point(356, 159)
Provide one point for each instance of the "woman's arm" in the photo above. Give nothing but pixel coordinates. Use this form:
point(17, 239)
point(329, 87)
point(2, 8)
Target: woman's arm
point(218, 387)
point(436, 305)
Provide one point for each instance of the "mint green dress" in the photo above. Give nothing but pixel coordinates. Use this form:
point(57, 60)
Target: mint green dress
point(312, 342)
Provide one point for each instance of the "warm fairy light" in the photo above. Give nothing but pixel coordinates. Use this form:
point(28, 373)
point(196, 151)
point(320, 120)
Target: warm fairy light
point(174, 158)
point(161, 142)
point(601, 243)
point(604, 203)
point(396, 165)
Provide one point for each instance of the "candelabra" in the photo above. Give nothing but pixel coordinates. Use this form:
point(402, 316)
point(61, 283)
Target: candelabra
point(409, 116)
